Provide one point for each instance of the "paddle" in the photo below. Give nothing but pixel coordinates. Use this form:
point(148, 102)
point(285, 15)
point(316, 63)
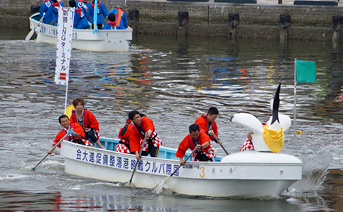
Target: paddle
point(140, 154)
point(219, 143)
point(157, 189)
point(28, 36)
point(52, 149)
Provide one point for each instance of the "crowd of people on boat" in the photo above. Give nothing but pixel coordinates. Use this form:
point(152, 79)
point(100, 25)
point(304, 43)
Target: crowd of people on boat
point(138, 135)
point(84, 14)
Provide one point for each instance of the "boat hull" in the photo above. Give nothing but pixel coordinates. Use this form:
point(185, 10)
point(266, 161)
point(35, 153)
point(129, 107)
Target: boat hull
point(217, 179)
point(85, 39)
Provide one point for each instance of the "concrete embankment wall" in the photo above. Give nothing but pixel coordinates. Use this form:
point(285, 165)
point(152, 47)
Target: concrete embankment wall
point(208, 19)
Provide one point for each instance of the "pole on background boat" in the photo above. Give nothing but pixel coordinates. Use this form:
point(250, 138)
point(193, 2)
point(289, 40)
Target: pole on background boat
point(52, 149)
point(158, 188)
point(219, 143)
point(95, 16)
point(140, 154)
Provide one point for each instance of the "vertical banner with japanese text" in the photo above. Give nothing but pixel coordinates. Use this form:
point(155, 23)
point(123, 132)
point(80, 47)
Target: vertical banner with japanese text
point(64, 39)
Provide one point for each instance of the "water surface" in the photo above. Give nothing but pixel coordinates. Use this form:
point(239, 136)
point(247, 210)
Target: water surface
point(172, 81)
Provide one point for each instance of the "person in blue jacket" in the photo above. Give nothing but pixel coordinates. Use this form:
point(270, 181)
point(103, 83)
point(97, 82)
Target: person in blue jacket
point(80, 19)
point(48, 16)
point(48, 9)
point(85, 6)
point(111, 23)
point(121, 19)
point(102, 12)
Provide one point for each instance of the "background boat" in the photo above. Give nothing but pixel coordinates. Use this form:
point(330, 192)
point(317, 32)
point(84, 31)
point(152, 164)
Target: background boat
point(85, 39)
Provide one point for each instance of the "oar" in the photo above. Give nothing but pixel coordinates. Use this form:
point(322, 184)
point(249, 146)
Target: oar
point(157, 189)
point(140, 154)
point(219, 143)
point(52, 149)
point(28, 36)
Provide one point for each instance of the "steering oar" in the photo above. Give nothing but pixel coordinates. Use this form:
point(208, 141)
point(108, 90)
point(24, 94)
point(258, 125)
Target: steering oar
point(51, 150)
point(28, 36)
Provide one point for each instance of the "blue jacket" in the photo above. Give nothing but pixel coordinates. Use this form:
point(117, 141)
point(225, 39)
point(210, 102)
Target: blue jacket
point(107, 26)
point(51, 13)
point(102, 12)
point(48, 17)
point(123, 21)
point(84, 6)
point(80, 21)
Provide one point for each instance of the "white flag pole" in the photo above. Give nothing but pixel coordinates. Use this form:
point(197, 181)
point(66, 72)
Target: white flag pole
point(295, 96)
point(66, 99)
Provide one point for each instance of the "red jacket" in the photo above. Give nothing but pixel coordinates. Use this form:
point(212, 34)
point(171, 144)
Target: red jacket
point(89, 120)
point(188, 143)
point(203, 124)
point(136, 136)
point(77, 128)
point(125, 137)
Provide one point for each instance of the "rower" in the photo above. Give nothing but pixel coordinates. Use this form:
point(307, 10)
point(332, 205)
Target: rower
point(120, 17)
point(75, 133)
point(143, 130)
point(199, 140)
point(207, 123)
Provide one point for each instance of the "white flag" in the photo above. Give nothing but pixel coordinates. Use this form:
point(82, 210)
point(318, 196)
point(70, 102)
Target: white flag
point(64, 39)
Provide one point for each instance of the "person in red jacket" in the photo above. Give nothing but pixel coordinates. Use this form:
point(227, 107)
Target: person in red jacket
point(75, 131)
point(143, 129)
point(87, 120)
point(207, 123)
point(199, 140)
point(124, 132)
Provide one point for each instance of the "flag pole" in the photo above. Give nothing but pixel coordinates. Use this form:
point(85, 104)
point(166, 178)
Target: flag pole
point(66, 99)
point(295, 96)
point(95, 16)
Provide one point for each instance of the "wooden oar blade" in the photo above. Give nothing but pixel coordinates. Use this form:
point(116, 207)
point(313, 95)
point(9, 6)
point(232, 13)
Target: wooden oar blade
point(29, 36)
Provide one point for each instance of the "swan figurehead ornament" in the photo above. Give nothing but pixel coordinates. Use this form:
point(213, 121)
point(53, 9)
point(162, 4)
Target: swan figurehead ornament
point(270, 136)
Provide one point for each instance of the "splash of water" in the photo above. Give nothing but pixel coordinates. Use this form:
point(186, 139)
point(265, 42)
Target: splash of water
point(158, 188)
point(315, 169)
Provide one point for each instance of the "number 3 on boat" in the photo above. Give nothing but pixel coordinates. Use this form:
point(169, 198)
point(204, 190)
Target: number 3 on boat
point(202, 169)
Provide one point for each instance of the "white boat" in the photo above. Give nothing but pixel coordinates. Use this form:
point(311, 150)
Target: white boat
point(85, 39)
point(242, 174)
point(258, 173)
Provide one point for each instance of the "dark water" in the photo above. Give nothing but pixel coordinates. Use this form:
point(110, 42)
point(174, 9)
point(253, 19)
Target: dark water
point(172, 81)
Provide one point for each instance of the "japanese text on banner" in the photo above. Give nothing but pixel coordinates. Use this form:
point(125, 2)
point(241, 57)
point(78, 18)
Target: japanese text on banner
point(64, 39)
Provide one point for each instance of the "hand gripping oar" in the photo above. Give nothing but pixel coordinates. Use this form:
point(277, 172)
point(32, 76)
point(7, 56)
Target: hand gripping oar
point(140, 154)
point(157, 189)
point(219, 143)
point(52, 149)
point(28, 36)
